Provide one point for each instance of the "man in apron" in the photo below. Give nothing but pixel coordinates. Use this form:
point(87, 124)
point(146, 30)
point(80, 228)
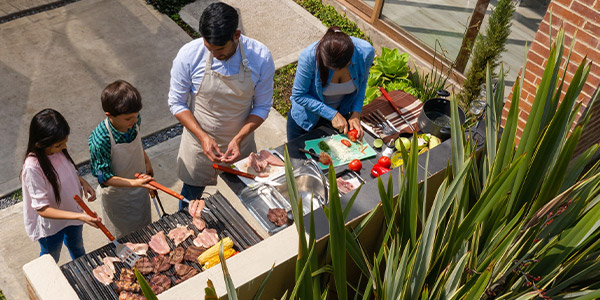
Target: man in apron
point(230, 79)
point(116, 154)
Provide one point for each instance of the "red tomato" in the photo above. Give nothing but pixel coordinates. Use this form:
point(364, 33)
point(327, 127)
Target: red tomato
point(353, 135)
point(385, 162)
point(355, 165)
point(346, 143)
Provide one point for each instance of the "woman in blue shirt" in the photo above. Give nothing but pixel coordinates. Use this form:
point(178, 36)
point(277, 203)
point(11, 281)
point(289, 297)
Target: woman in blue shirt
point(329, 87)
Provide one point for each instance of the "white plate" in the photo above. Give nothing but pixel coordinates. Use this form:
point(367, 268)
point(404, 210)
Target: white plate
point(274, 171)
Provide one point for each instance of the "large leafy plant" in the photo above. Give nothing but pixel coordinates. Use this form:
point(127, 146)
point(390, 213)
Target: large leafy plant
point(390, 70)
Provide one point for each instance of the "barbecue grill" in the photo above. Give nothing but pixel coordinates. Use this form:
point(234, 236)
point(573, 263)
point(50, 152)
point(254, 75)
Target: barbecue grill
point(222, 217)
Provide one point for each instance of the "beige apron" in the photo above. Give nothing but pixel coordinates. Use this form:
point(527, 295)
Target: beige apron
point(221, 107)
point(125, 209)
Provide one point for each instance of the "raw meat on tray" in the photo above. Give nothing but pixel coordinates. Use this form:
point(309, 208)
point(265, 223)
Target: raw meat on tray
point(270, 158)
point(179, 234)
point(158, 243)
point(344, 186)
point(259, 164)
point(277, 216)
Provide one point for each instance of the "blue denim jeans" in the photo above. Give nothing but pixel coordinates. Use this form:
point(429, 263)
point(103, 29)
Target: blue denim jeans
point(71, 236)
point(190, 192)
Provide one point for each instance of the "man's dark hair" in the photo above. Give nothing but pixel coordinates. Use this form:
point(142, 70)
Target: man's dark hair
point(120, 97)
point(218, 23)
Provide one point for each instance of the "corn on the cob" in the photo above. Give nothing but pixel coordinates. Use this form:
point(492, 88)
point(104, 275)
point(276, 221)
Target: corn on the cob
point(214, 250)
point(215, 259)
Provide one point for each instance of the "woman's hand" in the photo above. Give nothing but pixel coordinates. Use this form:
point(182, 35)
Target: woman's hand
point(88, 191)
point(92, 221)
point(339, 123)
point(354, 123)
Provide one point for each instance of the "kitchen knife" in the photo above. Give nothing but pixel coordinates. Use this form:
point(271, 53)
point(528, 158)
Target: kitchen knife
point(389, 99)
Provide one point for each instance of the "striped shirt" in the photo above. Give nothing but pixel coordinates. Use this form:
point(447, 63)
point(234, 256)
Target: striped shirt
point(99, 142)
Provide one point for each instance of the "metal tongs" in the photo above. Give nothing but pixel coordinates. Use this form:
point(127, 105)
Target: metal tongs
point(125, 253)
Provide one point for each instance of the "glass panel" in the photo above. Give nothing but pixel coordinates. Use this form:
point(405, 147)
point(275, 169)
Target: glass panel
point(370, 3)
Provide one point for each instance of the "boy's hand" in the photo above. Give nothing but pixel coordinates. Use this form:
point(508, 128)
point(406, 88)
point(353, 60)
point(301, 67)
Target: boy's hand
point(142, 181)
point(211, 149)
point(232, 153)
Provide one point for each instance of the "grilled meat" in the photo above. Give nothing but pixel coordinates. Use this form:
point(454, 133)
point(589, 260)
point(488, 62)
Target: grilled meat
point(270, 158)
point(176, 256)
point(179, 234)
point(206, 238)
point(158, 243)
point(277, 216)
point(185, 272)
point(160, 263)
point(159, 283)
point(192, 252)
point(130, 296)
point(128, 286)
point(143, 265)
point(127, 275)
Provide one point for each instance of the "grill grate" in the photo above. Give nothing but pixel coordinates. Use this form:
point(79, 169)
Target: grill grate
point(221, 217)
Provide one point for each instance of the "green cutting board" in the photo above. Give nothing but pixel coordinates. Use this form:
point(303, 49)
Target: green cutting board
point(356, 154)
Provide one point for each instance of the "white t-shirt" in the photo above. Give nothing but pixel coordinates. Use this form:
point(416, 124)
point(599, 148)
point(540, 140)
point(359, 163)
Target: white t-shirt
point(38, 193)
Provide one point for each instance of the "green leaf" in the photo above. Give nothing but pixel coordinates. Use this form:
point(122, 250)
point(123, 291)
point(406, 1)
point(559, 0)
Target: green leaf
point(478, 289)
point(209, 291)
point(263, 284)
point(337, 236)
point(146, 290)
point(231, 292)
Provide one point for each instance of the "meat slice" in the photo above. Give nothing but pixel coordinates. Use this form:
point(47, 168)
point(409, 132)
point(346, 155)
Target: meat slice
point(270, 158)
point(159, 283)
point(257, 162)
point(128, 286)
point(158, 243)
point(103, 274)
point(192, 252)
point(109, 261)
point(160, 263)
point(176, 256)
point(199, 223)
point(130, 296)
point(179, 234)
point(344, 186)
point(185, 272)
point(195, 208)
point(206, 238)
point(277, 216)
point(143, 265)
point(127, 275)
point(139, 249)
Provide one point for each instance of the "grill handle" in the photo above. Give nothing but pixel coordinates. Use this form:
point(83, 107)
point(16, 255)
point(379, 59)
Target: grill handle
point(93, 214)
point(162, 188)
point(233, 171)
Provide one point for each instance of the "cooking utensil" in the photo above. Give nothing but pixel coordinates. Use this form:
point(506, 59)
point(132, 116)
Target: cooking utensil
point(126, 254)
point(385, 121)
point(391, 102)
point(244, 174)
point(169, 191)
point(157, 202)
point(387, 130)
point(435, 117)
point(311, 153)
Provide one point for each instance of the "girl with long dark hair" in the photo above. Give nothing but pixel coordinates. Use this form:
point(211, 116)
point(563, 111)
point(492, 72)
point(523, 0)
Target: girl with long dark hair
point(49, 181)
point(330, 83)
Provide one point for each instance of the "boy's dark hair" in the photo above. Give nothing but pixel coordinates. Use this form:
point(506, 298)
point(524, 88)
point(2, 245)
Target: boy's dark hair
point(218, 23)
point(334, 50)
point(120, 97)
point(47, 128)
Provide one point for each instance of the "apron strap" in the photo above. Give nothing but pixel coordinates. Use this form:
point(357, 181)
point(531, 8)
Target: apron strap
point(243, 64)
point(110, 135)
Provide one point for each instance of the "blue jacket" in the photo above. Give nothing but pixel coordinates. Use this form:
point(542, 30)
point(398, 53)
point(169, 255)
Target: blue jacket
point(307, 95)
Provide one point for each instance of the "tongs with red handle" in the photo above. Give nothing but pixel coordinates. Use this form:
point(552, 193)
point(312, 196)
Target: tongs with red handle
point(244, 174)
point(164, 189)
point(389, 99)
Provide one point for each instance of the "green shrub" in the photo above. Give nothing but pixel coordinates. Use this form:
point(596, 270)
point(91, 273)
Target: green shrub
point(390, 70)
point(169, 7)
point(282, 88)
point(330, 17)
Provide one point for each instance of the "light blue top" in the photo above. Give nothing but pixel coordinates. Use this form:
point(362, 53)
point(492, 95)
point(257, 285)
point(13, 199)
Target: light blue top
point(308, 104)
point(188, 70)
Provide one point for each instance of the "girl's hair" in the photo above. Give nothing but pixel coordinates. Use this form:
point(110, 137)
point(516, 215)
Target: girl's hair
point(48, 127)
point(334, 50)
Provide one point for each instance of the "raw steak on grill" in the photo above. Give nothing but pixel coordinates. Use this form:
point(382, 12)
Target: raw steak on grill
point(199, 223)
point(277, 216)
point(128, 286)
point(159, 283)
point(206, 238)
point(130, 296)
point(103, 274)
point(192, 252)
point(143, 265)
point(158, 243)
point(270, 158)
point(176, 256)
point(179, 234)
point(185, 272)
point(127, 275)
point(160, 263)
point(139, 249)
point(109, 261)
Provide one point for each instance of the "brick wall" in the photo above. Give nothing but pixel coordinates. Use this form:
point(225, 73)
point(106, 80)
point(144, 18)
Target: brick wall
point(580, 18)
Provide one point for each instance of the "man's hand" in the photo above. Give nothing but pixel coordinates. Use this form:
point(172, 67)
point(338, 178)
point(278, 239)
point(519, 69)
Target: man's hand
point(339, 123)
point(354, 123)
point(232, 153)
point(211, 149)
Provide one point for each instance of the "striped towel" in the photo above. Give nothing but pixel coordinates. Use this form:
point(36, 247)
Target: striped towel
point(408, 104)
